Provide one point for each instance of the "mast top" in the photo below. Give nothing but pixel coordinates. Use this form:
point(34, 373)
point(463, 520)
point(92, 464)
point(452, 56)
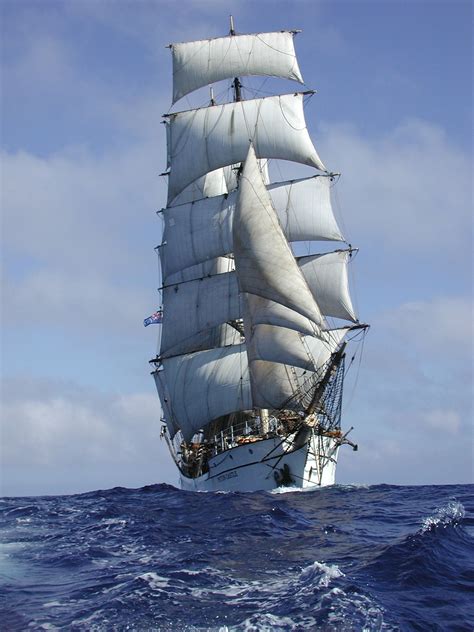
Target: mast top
point(231, 30)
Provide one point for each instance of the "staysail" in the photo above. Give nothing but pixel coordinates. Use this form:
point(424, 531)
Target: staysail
point(274, 384)
point(265, 264)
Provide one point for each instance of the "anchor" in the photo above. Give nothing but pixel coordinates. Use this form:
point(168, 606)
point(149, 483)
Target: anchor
point(283, 476)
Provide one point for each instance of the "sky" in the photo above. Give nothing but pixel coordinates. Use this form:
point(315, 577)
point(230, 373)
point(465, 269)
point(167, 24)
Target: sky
point(83, 88)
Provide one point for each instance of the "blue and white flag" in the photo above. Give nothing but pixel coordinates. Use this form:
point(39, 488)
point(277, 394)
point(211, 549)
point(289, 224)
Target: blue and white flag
point(154, 319)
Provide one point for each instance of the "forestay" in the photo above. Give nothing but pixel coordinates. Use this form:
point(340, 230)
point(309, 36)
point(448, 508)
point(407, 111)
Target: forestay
point(205, 139)
point(197, 64)
point(202, 230)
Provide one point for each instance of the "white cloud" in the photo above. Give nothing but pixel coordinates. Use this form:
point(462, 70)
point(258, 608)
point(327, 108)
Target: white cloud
point(413, 406)
point(408, 189)
point(78, 209)
point(52, 428)
point(446, 420)
point(56, 298)
point(79, 237)
point(442, 326)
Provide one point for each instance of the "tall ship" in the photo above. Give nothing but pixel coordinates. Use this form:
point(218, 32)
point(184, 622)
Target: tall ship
point(254, 329)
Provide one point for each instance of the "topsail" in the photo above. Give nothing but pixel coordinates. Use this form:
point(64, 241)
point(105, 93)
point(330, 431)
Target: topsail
point(205, 139)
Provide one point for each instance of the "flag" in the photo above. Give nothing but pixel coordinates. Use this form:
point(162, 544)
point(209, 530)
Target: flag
point(154, 319)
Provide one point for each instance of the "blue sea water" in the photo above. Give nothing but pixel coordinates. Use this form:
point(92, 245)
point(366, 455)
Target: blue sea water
point(157, 558)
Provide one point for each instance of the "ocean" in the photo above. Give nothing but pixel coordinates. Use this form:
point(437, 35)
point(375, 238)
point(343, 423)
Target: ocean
point(340, 558)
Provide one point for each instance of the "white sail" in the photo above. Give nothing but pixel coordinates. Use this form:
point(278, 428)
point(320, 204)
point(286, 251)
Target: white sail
point(277, 344)
point(208, 299)
point(273, 383)
point(197, 64)
point(202, 386)
point(165, 399)
point(205, 139)
point(196, 232)
point(206, 385)
point(284, 346)
point(220, 336)
point(305, 210)
point(328, 280)
point(265, 264)
point(217, 182)
point(197, 306)
point(201, 270)
point(202, 230)
point(265, 312)
point(263, 166)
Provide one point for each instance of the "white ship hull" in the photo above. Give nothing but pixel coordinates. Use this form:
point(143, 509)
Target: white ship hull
point(268, 464)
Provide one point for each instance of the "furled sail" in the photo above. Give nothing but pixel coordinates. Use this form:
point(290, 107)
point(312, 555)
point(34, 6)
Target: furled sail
point(205, 139)
point(202, 230)
point(197, 64)
point(265, 264)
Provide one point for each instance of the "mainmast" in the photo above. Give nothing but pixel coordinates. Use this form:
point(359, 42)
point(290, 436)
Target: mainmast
point(263, 412)
point(236, 83)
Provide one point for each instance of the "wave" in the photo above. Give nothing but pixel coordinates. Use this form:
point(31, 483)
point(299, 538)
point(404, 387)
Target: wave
point(428, 565)
point(449, 515)
point(340, 558)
